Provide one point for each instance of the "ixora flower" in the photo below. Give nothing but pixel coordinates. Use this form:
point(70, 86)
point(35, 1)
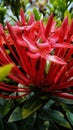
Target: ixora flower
point(42, 56)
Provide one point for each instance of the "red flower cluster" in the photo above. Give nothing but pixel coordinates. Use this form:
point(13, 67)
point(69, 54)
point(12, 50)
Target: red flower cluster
point(42, 55)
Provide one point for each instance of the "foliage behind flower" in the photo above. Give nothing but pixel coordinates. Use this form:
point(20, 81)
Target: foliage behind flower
point(42, 58)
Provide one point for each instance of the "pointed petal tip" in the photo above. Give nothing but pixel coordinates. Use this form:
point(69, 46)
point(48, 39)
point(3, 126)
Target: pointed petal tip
point(23, 19)
point(10, 29)
point(49, 25)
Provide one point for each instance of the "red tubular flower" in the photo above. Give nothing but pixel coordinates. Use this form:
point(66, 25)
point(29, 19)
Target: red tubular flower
point(42, 56)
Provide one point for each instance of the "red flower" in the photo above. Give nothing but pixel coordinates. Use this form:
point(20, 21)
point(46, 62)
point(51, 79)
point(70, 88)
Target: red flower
point(42, 56)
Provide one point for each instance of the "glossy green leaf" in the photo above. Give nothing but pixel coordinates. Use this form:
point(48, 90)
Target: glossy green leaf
point(61, 100)
point(57, 117)
point(67, 108)
point(5, 70)
point(69, 112)
point(30, 106)
point(70, 117)
point(49, 104)
point(28, 123)
point(16, 115)
point(40, 123)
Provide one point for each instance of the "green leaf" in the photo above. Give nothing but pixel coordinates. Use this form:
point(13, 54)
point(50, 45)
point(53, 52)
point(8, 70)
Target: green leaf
point(57, 117)
point(1, 123)
point(67, 108)
point(37, 14)
point(41, 124)
point(52, 126)
point(70, 117)
point(61, 100)
point(30, 106)
point(6, 107)
point(16, 115)
point(49, 104)
point(28, 123)
point(4, 71)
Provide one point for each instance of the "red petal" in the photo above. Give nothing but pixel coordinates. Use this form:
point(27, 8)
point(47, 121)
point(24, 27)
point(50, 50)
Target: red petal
point(23, 19)
point(31, 20)
point(63, 30)
point(64, 95)
point(70, 32)
point(34, 55)
point(49, 25)
point(54, 59)
point(13, 35)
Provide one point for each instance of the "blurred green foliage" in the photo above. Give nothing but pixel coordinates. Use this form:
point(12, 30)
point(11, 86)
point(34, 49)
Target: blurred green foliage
point(5, 70)
point(58, 7)
point(2, 14)
point(15, 6)
point(16, 115)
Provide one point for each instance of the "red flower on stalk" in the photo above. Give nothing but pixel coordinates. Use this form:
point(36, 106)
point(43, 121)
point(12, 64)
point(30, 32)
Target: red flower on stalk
point(42, 56)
